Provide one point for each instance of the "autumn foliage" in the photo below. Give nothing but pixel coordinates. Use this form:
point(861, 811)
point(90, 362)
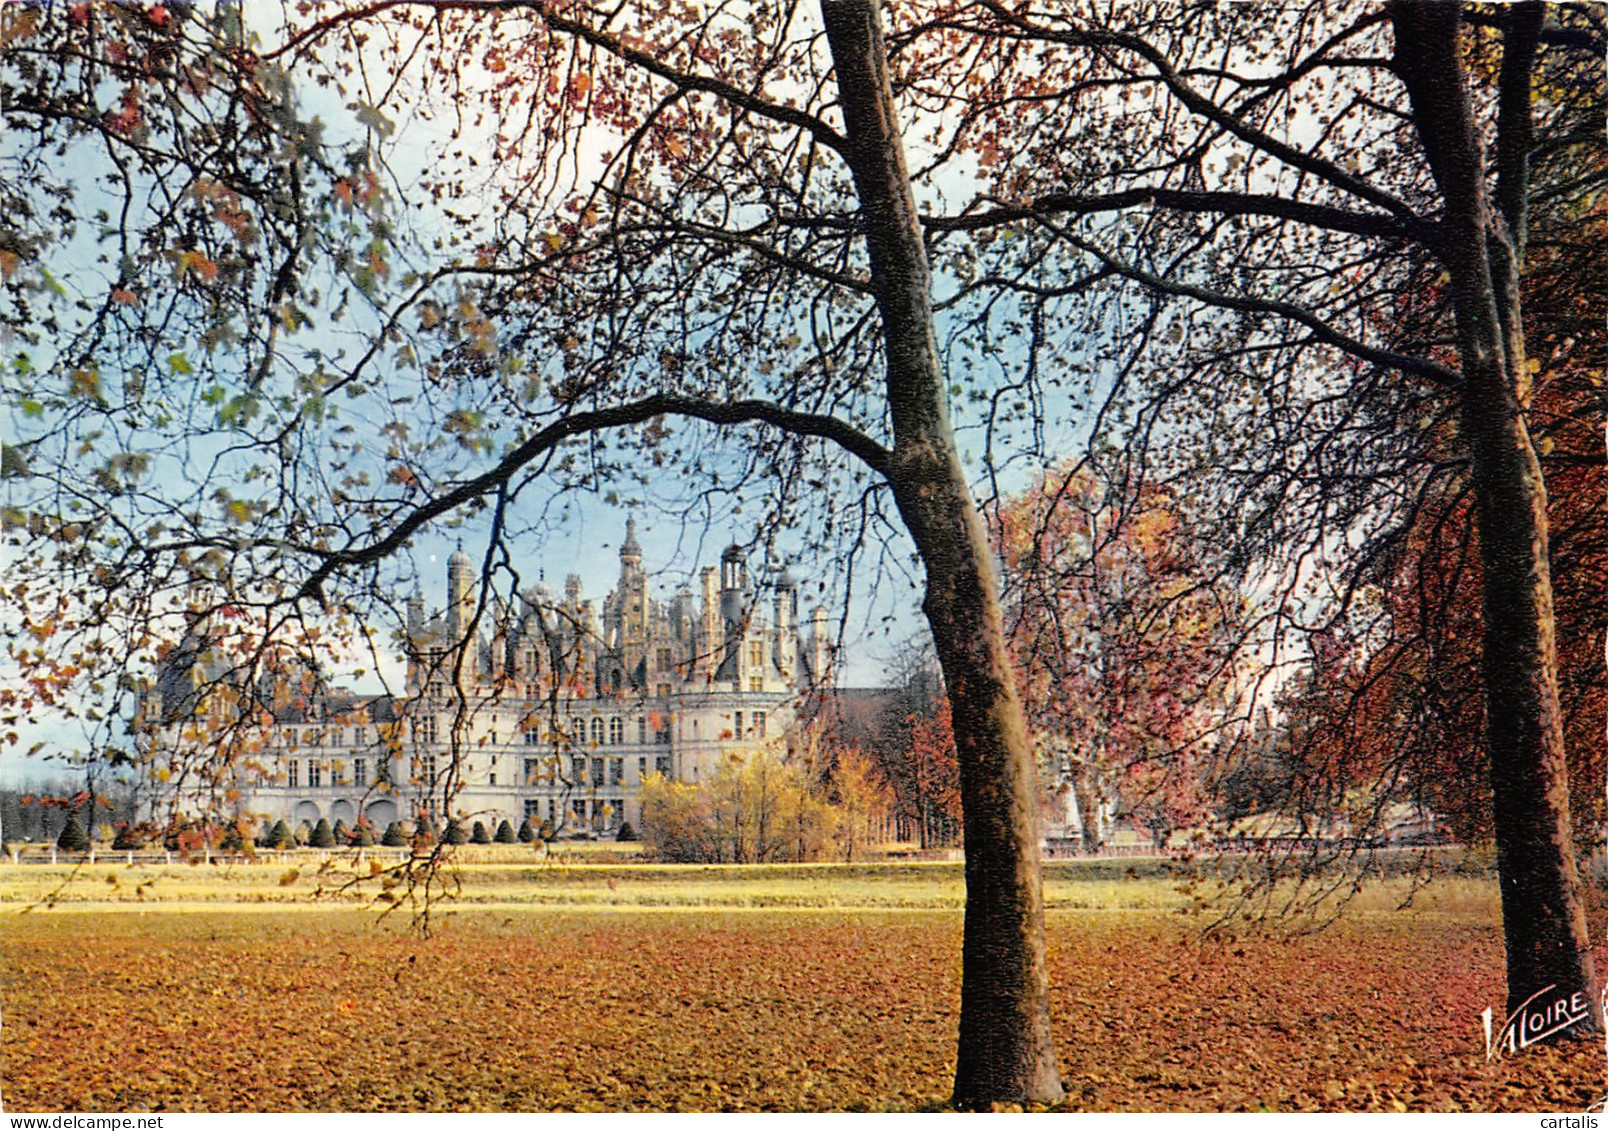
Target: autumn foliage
point(778, 1012)
point(1124, 642)
point(1393, 693)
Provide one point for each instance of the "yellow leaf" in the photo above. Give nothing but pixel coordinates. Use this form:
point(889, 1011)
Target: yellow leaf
point(19, 27)
point(86, 383)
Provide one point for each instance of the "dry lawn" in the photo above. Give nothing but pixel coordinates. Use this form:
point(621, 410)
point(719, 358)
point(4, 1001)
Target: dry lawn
point(628, 1010)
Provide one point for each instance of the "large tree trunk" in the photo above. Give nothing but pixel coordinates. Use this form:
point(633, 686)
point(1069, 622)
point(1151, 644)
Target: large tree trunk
point(1548, 956)
point(1005, 1051)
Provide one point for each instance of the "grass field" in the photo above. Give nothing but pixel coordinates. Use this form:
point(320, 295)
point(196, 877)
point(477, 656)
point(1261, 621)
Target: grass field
point(820, 988)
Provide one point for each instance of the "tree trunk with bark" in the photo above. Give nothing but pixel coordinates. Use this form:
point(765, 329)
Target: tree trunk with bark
point(1006, 1054)
point(1482, 247)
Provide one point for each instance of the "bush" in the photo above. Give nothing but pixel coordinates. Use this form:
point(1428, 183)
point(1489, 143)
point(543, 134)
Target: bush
point(128, 839)
point(394, 836)
point(526, 833)
point(281, 836)
point(304, 834)
point(479, 835)
point(505, 834)
point(363, 835)
point(626, 833)
point(232, 840)
point(342, 834)
point(73, 838)
point(455, 834)
point(322, 835)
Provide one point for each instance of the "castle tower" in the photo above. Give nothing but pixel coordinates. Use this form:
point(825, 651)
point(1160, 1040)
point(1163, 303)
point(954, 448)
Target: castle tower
point(820, 649)
point(460, 595)
point(681, 616)
point(415, 616)
point(631, 603)
point(710, 644)
point(786, 646)
point(733, 589)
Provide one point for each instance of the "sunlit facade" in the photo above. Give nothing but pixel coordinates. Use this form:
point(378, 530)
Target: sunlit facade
point(554, 711)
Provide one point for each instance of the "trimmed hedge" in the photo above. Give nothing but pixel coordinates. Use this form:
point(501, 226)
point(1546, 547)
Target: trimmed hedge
point(72, 837)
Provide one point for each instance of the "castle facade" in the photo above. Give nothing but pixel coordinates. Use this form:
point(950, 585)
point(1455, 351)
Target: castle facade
point(553, 710)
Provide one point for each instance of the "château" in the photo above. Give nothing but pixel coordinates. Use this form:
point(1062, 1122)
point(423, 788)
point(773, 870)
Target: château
point(551, 709)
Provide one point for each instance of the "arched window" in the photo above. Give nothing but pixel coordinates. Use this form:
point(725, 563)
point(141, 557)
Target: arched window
point(616, 731)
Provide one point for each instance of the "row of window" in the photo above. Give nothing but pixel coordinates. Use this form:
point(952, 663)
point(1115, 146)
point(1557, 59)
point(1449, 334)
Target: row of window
point(758, 724)
point(543, 771)
point(599, 812)
point(324, 736)
point(538, 771)
point(338, 773)
point(578, 690)
point(602, 731)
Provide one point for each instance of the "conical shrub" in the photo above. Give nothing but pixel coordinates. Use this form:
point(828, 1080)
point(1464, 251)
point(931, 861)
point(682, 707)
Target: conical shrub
point(395, 836)
point(281, 836)
point(526, 833)
point(505, 834)
point(73, 838)
point(479, 835)
point(322, 835)
point(455, 834)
